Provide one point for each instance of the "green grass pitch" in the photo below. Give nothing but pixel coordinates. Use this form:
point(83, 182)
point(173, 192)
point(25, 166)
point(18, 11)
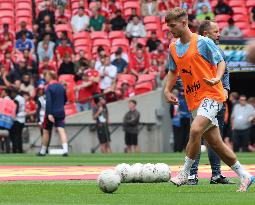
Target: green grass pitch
point(86, 192)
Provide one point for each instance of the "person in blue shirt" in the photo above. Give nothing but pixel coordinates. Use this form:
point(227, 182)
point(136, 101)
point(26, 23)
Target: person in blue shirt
point(211, 30)
point(24, 43)
point(120, 63)
point(54, 113)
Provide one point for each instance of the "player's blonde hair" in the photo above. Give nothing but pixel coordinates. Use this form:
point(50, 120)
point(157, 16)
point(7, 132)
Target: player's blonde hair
point(52, 74)
point(176, 13)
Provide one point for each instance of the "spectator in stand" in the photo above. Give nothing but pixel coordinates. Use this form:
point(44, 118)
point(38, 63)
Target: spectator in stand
point(184, 4)
point(133, 13)
point(60, 3)
point(45, 65)
point(101, 115)
point(108, 73)
point(139, 63)
point(96, 22)
point(17, 127)
point(153, 42)
point(24, 43)
point(30, 62)
point(130, 124)
point(242, 116)
point(205, 15)
point(6, 44)
point(62, 18)
point(113, 7)
point(67, 66)
point(125, 91)
point(94, 77)
point(64, 35)
point(17, 74)
point(30, 108)
point(81, 63)
point(6, 31)
point(120, 62)
point(8, 62)
point(80, 22)
point(198, 6)
point(231, 31)
point(84, 93)
point(23, 29)
point(252, 14)
point(222, 8)
point(49, 30)
point(135, 28)
point(64, 49)
point(124, 55)
point(101, 57)
point(44, 52)
point(149, 8)
point(46, 12)
point(45, 48)
point(27, 86)
point(118, 23)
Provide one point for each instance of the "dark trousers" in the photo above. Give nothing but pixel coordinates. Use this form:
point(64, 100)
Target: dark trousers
point(241, 139)
point(181, 135)
point(213, 157)
point(16, 137)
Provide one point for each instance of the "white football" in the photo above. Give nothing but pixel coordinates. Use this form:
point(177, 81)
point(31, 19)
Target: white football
point(163, 172)
point(137, 172)
point(108, 181)
point(148, 174)
point(125, 172)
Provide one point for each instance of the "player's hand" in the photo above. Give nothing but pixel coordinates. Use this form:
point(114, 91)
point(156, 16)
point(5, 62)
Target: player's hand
point(51, 118)
point(171, 98)
point(211, 82)
point(226, 93)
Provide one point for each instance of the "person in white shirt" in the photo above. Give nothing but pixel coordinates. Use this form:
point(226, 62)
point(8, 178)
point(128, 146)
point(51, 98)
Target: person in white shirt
point(231, 31)
point(108, 74)
point(80, 22)
point(135, 28)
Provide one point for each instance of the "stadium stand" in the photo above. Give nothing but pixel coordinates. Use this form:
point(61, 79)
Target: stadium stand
point(42, 17)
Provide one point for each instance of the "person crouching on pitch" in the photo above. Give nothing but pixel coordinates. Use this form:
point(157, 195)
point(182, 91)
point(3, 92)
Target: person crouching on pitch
point(55, 112)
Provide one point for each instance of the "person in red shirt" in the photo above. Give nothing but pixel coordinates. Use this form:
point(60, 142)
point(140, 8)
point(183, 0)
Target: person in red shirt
point(6, 43)
point(30, 108)
point(126, 91)
point(94, 77)
point(7, 62)
point(7, 32)
point(84, 89)
point(139, 63)
point(62, 18)
point(63, 49)
point(46, 65)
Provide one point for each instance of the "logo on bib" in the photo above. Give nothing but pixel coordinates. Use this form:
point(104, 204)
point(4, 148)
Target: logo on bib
point(193, 87)
point(186, 71)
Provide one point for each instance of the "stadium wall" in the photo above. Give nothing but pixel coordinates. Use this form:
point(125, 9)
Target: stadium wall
point(155, 129)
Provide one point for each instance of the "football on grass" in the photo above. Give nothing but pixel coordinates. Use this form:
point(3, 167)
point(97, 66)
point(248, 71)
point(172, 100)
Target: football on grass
point(108, 181)
point(125, 172)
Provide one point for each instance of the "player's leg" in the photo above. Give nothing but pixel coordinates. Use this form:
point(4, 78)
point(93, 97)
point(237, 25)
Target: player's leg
point(47, 127)
point(217, 177)
point(193, 176)
point(60, 125)
point(236, 141)
point(135, 143)
point(128, 142)
point(198, 127)
point(214, 140)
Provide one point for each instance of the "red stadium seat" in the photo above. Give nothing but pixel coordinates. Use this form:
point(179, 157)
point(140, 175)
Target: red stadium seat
point(242, 25)
point(151, 19)
point(6, 13)
point(86, 49)
point(248, 33)
point(6, 5)
point(236, 3)
point(152, 26)
point(120, 42)
point(253, 25)
point(239, 10)
point(143, 88)
point(241, 18)
point(23, 13)
point(142, 41)
point(82, 42)
point(116, 34)
point(147, 78)
point(101, 42)
point(63, 27)
point(70, 109)
point(131, 4)
point(23, 5)
point(222, 25)
point(222, 18)
point(81, 35)
point(250, 3)
point(98, 34)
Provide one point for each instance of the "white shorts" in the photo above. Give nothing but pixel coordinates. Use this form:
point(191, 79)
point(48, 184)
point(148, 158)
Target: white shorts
point(208, 108)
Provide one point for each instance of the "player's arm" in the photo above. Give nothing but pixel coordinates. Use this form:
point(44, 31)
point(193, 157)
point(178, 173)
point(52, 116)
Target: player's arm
point(170, 81)
point(212, 54)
